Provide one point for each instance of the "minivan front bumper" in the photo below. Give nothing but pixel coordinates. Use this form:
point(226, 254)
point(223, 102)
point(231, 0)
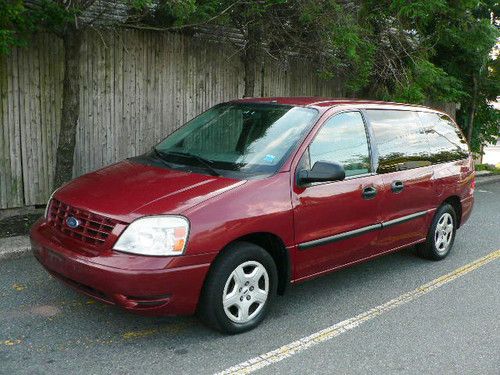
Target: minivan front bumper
point(148, 286)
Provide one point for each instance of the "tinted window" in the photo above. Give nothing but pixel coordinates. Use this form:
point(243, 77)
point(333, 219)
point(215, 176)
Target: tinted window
point(401, 140)
point(446, 143)
point(342, 139)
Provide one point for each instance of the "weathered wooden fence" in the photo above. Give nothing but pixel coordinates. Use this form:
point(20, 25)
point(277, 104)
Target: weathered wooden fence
point(136, 87)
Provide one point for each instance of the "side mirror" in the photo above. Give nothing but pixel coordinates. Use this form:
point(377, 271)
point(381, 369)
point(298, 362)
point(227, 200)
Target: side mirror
point(322, 171)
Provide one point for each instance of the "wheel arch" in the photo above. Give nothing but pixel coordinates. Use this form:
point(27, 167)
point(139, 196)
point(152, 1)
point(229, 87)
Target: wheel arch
point(275, 246)
point(455, 202)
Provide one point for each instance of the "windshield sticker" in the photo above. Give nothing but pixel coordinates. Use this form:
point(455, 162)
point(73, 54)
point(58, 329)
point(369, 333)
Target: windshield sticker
point(269, 158)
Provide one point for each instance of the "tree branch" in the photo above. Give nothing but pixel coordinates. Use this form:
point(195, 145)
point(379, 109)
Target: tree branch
point(170, 28)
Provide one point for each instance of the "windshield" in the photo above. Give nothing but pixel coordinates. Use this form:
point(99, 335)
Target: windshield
point(238, 140)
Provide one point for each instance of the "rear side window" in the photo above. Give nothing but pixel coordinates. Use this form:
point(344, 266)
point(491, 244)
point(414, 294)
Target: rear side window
point(401, 140)
point(342, 139)
point(446, 142)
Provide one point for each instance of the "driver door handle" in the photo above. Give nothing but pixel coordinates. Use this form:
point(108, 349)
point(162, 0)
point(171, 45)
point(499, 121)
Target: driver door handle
point(397, 186)
point(369, 192)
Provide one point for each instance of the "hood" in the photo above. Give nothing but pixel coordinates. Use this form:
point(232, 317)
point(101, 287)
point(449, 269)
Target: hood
point(127, 190)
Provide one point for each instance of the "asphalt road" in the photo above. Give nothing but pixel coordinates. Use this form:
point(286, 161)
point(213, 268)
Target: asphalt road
point(452, 327)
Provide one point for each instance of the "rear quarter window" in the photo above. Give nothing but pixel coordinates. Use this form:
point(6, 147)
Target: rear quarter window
point(446, 142)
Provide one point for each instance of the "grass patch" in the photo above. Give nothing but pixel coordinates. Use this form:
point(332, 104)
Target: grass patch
point(488, 167)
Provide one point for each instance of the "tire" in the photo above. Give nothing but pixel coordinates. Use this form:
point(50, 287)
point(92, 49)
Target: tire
point(233, 299)
point(441, 234)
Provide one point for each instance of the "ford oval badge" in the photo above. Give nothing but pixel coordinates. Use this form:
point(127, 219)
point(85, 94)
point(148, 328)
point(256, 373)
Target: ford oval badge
point(72, 222)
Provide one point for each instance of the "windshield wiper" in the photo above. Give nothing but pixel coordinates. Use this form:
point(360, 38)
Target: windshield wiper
point(161, 157)
point(202, 161)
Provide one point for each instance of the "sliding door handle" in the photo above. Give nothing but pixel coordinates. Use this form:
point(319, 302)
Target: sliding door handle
point(369, 192)
point(397, 186)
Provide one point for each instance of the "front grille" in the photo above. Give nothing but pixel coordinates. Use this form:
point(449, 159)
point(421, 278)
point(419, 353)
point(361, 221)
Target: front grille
point(92, 228)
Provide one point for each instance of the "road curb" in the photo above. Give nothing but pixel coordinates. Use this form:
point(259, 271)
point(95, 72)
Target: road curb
point(19, 246)
point(14, 247)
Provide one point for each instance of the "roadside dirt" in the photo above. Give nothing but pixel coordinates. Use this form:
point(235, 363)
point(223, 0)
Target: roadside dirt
point(17, 225)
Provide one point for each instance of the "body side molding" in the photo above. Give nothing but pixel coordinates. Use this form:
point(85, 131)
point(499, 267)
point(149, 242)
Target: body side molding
point(360, 231)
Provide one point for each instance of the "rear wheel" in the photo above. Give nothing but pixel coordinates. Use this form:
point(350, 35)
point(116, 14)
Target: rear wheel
point(441, 234)
point(239, 289)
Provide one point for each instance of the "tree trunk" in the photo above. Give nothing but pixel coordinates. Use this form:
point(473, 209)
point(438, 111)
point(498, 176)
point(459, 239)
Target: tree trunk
point(72, 40)
point(252, 58)
point(472, 113)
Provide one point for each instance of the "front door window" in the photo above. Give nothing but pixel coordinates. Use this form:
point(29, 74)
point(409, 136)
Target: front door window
point(342, 139)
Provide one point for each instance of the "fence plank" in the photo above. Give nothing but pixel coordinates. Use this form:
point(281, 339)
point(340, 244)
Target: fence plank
point(10, 146)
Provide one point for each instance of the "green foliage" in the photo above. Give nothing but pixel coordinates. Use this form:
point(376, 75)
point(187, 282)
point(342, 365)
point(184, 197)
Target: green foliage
point(487, 127)
point(419, 13)
point(14, 25)
point(17, 21)
point(487, 167)
point(173, 13)
point(54, 16)
point(141, 5)
point(345, 50)
point(177, 12)
point(428, 82)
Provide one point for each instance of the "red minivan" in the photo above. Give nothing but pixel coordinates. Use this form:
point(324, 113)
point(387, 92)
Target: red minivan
point(253, 195)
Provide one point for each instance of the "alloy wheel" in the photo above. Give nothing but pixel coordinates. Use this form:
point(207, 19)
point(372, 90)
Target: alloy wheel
point(444, 233)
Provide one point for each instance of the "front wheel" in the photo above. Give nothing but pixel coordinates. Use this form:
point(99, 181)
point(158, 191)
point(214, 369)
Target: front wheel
point(441, 234)
point(239, 289)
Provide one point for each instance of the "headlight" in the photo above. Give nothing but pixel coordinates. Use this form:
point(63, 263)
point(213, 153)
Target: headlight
point(48, 203)
point(155, 236)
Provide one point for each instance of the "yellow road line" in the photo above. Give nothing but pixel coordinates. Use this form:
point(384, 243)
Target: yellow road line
point(138, 334)
point(326, 334)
